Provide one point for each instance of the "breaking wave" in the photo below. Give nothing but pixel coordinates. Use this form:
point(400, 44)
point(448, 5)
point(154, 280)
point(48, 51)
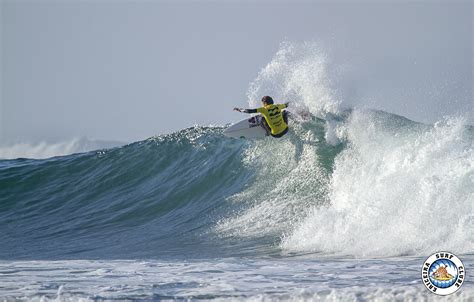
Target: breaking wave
point(354, 182)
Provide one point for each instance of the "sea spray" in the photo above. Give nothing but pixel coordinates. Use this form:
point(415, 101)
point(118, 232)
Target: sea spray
point(298, 73)
point(398, 188)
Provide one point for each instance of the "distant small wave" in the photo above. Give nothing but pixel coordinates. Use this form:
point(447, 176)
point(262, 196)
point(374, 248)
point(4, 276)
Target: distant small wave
point(43, 149)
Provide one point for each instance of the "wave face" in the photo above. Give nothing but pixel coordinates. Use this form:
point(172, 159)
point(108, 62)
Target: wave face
point(389, 187)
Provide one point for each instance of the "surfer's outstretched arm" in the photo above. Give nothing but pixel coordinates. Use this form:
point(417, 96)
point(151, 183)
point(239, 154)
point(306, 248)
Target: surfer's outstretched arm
point(245, 110)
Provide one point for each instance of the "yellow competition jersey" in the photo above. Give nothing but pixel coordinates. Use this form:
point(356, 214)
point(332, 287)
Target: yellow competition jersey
point(274, 117)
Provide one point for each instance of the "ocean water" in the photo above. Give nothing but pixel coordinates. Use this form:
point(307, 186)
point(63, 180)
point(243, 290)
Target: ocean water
point(348, 215)
point(345, 207)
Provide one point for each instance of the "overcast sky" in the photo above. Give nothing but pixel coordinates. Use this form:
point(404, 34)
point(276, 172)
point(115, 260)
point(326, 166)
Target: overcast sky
point(128, 70)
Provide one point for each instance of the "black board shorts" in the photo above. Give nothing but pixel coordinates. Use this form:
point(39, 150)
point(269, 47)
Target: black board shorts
point(280, 134)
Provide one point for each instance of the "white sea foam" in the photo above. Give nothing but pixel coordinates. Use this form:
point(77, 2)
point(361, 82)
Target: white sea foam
point(291, 279)
point(394, 192)
point(45, 150)
point(396, 188)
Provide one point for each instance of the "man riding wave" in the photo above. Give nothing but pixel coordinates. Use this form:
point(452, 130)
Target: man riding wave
point(275, 119)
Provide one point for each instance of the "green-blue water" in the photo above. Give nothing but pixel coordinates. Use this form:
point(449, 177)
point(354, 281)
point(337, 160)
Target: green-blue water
point(363, 185)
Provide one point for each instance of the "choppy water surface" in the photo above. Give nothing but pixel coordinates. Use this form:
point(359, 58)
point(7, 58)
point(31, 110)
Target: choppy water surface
point(395, 279)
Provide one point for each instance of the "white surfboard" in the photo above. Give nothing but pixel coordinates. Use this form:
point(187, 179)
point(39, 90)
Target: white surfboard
point(248, 128)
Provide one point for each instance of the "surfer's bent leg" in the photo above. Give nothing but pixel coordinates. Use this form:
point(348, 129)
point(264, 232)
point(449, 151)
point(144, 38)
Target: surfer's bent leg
point(265, 126)
point(285, 116)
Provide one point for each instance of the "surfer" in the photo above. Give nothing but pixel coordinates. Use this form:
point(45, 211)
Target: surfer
point(275, 120)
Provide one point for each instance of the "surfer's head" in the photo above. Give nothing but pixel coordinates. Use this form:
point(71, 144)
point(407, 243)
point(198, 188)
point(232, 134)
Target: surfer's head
point(267, 100)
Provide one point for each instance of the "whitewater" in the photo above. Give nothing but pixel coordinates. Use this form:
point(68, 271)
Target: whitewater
point(346, 206)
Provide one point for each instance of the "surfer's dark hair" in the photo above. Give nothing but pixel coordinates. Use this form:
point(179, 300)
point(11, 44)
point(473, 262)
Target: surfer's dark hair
point(267, 99)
